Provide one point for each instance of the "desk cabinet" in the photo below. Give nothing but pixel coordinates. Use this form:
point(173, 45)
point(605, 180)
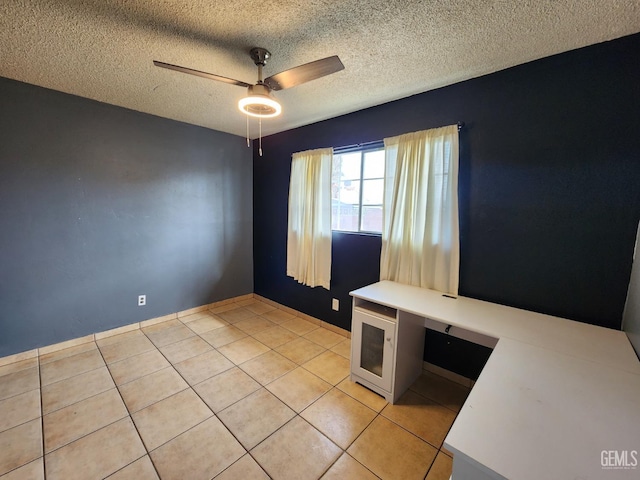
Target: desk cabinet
point(386, 348)
point(554, 394)
point(373, 337)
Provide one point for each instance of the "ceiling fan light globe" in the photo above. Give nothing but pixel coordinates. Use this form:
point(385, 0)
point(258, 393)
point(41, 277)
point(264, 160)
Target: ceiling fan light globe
point(260, 106)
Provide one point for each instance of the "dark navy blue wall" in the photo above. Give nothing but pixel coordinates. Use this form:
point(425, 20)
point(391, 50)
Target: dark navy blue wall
point(549, 188)
point(99, 204)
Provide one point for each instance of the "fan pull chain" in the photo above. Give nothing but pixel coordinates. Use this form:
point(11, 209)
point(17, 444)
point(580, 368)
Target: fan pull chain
point(248, 144)
point(260, 134)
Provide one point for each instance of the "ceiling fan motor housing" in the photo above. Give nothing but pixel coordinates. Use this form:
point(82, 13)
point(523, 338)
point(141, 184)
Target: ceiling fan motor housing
point(259, 102)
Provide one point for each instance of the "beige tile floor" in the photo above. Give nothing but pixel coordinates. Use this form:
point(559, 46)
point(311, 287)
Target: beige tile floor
point(244, 391)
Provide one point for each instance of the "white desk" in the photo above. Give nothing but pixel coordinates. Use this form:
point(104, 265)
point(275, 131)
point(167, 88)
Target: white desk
point(554, 394)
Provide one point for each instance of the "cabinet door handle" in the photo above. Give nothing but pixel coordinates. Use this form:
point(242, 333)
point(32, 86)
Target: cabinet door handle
point(388, 339)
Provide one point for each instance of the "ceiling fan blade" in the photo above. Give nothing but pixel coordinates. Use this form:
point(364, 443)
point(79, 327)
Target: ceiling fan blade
point(304, 73)
point(198, 73)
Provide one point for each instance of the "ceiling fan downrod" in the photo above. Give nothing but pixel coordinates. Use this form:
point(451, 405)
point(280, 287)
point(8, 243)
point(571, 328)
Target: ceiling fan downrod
point(260, 56)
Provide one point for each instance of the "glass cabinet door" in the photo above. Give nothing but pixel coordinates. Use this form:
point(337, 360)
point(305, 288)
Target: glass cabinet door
point(372, 349)
point(373, 342)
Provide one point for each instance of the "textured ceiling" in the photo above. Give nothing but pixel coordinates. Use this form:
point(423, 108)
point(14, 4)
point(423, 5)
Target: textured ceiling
point(103, 49)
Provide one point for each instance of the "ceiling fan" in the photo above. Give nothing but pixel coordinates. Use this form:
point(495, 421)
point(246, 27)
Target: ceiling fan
point(259, 101)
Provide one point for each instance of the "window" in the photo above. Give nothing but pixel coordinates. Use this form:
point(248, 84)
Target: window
point(357, 190)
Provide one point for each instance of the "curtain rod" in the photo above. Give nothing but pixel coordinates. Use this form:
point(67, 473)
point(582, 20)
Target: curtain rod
point(378, 142)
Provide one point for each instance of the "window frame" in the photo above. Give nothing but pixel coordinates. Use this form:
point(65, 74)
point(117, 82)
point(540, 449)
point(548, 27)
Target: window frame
point(362, 149)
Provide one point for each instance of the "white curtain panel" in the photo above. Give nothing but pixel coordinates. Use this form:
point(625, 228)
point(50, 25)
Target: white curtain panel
point(309, 231)
point(420, 239)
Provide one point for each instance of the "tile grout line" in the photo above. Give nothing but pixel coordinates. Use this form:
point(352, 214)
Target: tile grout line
point(190, 387)
point(68, 378)
point(130, 418)
point(239, 367)
point(296, 414)
point(74, 403)
point(44, 464)
point(89, 433)
point(299, 414)
point(436, 401)
point(344, 450)
point(410, 432)
point(438, 449)
point(17, 395)
point(271, 434)
point(248, 452)
point(171, 365)
point(431, 464)
point(378, 414)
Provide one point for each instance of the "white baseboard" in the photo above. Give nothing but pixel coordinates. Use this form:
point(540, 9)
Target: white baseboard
point(220, 305)
point(116, 331)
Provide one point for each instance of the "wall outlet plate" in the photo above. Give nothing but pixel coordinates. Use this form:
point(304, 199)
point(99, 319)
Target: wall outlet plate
point(335, 304)
point(142, 300)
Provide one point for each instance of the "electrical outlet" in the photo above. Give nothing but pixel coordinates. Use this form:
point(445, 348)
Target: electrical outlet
point(335, 304)
point(142, 300)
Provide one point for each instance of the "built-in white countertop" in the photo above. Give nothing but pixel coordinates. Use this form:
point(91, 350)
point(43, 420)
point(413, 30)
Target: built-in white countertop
point(554, 394)
point(598, 344)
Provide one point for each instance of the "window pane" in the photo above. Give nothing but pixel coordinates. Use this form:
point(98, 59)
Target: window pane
point(374, 164)
point(345, 217)
point(350, 192)
point(346, 206)
point(372, 218)
point(372, 191)
point(346, 195)
point(335, 180)
point(349, 166)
